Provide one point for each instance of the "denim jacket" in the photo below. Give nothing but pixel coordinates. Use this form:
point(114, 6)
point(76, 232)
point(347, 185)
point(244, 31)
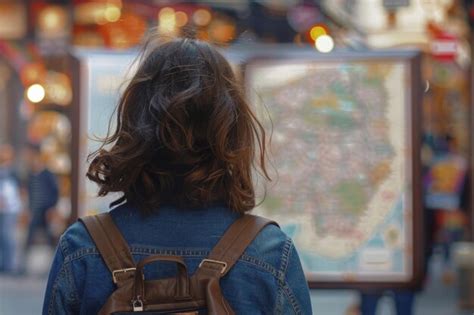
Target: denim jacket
point(268, 278)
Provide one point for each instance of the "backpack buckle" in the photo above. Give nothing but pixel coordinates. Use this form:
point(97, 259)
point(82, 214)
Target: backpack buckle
point(212, 261)
point(120, 271)
point(137, 304)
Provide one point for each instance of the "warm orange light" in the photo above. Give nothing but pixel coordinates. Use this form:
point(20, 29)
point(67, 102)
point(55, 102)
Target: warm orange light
point(202, 17)
point(167, 21)
point(181, 18)
point(31, 73)
point(58, 88)
point(98, 13)
point(222, 31)
point(317, 31)
point(166, 11)
point(52, 19)
point(117, 3)
point(112, 13)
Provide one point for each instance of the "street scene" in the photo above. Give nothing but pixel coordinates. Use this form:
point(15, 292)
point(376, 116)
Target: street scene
point(236, 157)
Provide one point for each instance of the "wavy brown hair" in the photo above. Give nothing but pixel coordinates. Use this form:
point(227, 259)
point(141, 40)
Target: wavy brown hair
point(184, 133)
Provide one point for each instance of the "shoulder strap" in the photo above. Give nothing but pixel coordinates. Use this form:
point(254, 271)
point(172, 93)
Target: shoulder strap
point(112, 246)
point(234, 242)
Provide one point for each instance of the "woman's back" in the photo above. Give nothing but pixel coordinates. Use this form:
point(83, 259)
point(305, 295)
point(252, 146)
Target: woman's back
point(266, 280)
point(185, 136)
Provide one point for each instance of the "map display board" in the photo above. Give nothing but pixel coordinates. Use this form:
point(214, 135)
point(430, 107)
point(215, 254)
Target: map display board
point(101, 76)
point(344, 147)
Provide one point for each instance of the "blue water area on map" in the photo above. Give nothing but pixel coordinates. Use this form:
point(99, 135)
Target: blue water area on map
point(316, 263)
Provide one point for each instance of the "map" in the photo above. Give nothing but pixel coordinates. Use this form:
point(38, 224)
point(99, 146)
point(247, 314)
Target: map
point(341, 159)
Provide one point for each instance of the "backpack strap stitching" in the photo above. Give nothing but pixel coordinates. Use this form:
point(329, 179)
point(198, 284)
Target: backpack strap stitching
point(223, 247)
point(233, 244)
point(115, 255)
point(110, 243)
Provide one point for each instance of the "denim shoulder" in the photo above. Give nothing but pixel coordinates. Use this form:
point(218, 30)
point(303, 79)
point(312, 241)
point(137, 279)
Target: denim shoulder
point(75, 239)
point(61, 293)
point(277, 249)
point(268, 246)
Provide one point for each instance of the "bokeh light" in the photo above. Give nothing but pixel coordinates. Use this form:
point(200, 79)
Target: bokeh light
point(324, 43)
point(317, 31)
point(35, 93)
point(181, 18)
point(112, 13)
point(202, 17)
point(52, 19)
point(167, 21)
point(221, 30)
point(58, 88)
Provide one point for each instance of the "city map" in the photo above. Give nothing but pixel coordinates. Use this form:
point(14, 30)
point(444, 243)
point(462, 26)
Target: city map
point(341, 156)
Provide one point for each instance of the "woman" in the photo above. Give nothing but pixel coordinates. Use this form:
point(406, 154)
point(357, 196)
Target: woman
point(182, 154)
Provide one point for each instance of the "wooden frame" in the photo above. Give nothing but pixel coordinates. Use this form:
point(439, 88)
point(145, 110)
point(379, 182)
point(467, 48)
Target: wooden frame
point(470, 207)
point(77, 118)
point(412, 60)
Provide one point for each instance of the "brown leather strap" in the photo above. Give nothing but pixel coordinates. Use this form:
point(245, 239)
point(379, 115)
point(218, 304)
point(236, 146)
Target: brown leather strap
point(234, 242)
point(112, 246)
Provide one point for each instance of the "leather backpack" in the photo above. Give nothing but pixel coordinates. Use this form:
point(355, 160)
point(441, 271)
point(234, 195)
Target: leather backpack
point(197, 294)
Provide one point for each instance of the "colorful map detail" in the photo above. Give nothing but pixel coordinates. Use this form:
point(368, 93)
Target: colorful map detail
point(339, 148)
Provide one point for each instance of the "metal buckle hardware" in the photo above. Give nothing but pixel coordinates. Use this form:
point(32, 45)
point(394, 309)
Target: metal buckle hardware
point(212, 261)
point(137, 304)
point(115, 272)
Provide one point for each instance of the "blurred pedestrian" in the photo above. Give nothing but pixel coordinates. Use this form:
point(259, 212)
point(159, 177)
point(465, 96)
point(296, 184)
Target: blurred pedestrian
point(403, 300)
point(43, 195)
point(446, 202)
point(10, 206)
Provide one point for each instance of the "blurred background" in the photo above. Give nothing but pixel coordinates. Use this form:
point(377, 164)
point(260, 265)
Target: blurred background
point(63, 62)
